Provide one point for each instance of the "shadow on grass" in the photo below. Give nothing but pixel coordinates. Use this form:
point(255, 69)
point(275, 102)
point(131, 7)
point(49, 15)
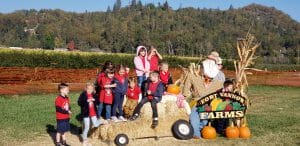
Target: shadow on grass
point(75, 130)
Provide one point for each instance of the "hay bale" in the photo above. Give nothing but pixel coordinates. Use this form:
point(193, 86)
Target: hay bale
point(168, 113)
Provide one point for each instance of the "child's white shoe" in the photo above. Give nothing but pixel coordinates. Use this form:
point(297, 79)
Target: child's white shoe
point(115, 119)
point(121, 118)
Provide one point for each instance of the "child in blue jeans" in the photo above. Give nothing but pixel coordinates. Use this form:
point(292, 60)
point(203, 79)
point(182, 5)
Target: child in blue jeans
point(153, 92)
point(119, 91)
point(88, 102)
point(106, 95)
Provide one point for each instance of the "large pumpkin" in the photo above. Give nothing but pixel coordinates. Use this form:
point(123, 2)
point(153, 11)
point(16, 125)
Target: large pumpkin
point(232, 131)
point(209, 132)
point(244, 130)
point(174, 89)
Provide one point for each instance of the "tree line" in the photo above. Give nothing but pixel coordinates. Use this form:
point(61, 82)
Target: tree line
point(182, 32)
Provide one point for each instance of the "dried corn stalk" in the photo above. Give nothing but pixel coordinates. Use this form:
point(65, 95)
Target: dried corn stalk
point(192, 69)
point(246, 48)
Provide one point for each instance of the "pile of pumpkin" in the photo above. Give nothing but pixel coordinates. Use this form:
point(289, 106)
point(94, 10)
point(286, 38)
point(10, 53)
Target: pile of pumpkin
point(209, 132)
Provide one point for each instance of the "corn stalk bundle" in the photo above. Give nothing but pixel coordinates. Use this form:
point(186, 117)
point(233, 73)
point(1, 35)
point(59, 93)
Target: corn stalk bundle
point(246, 48)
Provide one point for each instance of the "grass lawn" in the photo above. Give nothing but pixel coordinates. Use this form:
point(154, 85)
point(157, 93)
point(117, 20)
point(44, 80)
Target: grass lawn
point(273, 117)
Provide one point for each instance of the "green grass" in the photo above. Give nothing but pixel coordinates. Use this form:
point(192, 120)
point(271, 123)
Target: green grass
point(27, 116)
point(273, 116)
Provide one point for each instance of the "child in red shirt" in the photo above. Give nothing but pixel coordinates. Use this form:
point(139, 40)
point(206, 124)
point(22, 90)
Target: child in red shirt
point(88, 102)
point(132, 97)
point(106, 95)
point(154, 58)
point(165, 75)
point(63, 111)
point(107, 66)
point(153, 93)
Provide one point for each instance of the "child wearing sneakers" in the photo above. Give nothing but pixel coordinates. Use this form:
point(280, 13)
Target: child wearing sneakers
point(106, 95)
point(132, 97)
point(119, 92)
point(88, 102)
point(63, 111)
point(154, 89)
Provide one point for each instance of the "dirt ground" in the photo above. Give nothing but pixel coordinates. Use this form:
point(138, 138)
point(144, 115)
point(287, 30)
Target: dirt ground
point(272, 139)
point(23, 80)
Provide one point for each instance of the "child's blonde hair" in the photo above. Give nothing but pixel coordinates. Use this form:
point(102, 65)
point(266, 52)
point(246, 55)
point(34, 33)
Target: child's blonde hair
point(89, 84)
point(164, 63)
point(154, 73)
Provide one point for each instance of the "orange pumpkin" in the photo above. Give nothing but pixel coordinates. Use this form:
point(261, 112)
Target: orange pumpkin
point(244, 130)
point(174, 89)
point(209, 132)
point(232, 131)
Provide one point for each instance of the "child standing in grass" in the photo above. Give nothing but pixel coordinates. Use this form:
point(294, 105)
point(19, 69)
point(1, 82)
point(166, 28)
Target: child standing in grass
point(132, 97)
point(88, 102)
point(63, 111)
point(165, 75)
point(121, 81)
point(154, 91)
point(106, 95)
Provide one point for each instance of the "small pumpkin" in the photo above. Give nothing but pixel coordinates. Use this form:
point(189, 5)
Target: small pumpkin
point(209, 132)
point(244, 130)
point(174, 89)
point(232, 131)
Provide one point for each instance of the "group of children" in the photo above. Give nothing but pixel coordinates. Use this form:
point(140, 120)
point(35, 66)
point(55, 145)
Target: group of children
point(113, 84)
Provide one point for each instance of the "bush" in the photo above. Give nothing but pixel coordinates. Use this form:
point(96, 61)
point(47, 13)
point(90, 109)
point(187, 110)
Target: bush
point(55, 59)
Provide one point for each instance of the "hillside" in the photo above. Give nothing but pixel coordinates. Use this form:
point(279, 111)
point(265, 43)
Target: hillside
point(186, 31)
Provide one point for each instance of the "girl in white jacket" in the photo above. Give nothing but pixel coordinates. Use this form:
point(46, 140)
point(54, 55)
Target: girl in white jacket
point(142, 65)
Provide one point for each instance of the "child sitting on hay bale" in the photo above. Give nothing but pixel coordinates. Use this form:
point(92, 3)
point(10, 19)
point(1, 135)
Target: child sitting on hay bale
point(153, 93)
point(165, 75)
point(88, 103)
point(132, 97)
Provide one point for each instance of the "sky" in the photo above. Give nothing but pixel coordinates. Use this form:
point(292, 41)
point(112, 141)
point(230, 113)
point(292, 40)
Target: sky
point(290, 7)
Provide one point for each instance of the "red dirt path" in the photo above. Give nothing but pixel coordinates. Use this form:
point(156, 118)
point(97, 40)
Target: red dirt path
point(23, 80)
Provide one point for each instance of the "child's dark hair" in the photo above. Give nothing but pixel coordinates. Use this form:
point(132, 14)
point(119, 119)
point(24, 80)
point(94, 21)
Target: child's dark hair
point(109, 71)
point(228, 82)
point(132, 80)
point(142, 49)
point(107, 65)
point(62, 85)
point(119, 67)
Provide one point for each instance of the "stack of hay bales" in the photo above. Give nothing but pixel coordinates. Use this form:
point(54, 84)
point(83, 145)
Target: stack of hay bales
point(168, 113)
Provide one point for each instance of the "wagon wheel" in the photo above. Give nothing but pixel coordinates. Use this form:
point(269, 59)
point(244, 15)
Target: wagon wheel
point(182, 130)
point(121, 140)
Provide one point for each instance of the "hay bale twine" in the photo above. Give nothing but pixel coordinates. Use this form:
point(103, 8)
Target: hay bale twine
point(168, 113)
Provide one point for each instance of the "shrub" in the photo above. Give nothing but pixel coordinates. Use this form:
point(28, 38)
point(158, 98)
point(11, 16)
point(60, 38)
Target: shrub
point(55, 59)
